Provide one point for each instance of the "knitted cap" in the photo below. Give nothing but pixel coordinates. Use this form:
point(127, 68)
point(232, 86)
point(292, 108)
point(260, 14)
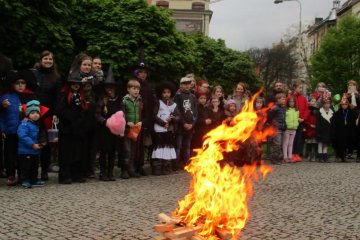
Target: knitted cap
point(33, 105)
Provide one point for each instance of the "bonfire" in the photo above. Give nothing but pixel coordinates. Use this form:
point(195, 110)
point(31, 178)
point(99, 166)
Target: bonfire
point(217, 205)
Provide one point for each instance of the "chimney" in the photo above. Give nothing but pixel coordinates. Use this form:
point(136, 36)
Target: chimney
point(318, 20)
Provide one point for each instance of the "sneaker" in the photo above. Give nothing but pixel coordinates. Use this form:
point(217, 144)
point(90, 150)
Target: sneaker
point(26, 185)
point(38, 183)
point(11, 181)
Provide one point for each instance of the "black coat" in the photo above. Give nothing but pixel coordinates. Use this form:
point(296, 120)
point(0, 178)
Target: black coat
point(343, 135)
point(105, 108)
point(48, 88)
point(148, 99)
point(323, 129)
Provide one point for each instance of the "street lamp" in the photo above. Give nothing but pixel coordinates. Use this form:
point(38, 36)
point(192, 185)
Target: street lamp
point(281, 1)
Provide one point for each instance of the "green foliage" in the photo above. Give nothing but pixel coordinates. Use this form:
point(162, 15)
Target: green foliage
point(338, 59)
point(222, 65)
point(117, 31)
point(28, 27)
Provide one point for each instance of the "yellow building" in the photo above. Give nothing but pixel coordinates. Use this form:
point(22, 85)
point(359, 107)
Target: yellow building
point(190, 15)
point(349, 7)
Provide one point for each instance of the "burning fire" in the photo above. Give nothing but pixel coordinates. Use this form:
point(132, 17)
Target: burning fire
point(219, 191)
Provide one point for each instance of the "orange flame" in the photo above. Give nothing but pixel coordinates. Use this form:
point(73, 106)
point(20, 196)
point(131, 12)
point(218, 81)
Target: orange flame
point(219, 191)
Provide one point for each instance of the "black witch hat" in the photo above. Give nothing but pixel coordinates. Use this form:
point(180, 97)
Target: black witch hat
point(25, 74)
point(74, 76)
point(110, 79)
point(142, 65)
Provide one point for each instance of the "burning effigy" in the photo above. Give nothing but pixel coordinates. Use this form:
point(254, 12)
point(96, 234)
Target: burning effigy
point(216, 206)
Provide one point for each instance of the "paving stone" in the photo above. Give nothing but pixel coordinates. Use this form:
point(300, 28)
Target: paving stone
point(296, 201)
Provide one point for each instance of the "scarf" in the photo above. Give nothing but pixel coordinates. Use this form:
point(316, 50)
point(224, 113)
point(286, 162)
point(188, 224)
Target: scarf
point(327, 115)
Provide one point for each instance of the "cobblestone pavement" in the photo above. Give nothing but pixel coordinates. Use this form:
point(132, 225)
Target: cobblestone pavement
point(297, 201)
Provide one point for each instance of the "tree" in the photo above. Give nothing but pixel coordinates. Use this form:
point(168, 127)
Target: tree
point(338, 59)
point(222, 65)
point(29, 27)
point(275, 64)
point(117, 31)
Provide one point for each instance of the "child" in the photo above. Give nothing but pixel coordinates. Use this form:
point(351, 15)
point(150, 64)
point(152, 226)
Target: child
point(218, 92)
point(343, 127)
point(186, 102)
point(230, 110)
point(11, 111)
point(108, 143)
point(132, 107)
point(276, 117)
point(323, 129)
point(74, 125)
point(216, 114)
point(166, 114)
point(29, 147)
point(292, 122)
point(203, 121)
point(310, 130)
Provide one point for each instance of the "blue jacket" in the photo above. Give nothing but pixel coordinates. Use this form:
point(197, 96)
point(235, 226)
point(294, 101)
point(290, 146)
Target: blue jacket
point(28, 133)
point(10, 116)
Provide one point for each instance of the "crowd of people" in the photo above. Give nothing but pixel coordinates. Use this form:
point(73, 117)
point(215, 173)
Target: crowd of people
point(99, 124)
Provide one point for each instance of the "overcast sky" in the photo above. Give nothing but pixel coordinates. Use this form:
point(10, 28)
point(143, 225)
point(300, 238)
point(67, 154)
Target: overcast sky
point(259, 23)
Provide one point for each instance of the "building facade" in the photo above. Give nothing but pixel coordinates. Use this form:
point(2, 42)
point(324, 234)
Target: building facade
point(191, 16)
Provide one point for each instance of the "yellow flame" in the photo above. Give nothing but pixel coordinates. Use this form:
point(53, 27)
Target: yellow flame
point(219, 192)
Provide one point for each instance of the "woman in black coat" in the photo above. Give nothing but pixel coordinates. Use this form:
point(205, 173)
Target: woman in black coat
point(343, 129)
point(48, 90)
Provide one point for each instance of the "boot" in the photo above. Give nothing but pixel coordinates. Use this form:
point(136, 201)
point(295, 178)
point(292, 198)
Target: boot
point(111, 169)
point(102, 162)
point(326, 157)
point(320, 157)
point(124, 174)
point(165, 168)
point(156, 167)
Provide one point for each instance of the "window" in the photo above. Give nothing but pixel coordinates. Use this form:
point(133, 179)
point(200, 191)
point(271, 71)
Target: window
point(198, 6)
point(163, 4)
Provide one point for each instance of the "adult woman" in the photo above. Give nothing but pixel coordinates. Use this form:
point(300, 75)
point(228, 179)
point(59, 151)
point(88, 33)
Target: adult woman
point(302, 106)
point(240, 95)
point(48, 88)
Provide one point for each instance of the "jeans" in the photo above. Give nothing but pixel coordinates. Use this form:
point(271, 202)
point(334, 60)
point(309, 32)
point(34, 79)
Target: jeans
point(183, 142)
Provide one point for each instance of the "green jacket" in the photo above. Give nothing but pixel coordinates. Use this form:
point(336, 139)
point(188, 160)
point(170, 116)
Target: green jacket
point(292, 119)
point(132, 109)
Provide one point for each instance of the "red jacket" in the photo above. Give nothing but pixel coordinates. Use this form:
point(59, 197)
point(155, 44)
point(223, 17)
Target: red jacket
point(309, 131)
point(302, 105)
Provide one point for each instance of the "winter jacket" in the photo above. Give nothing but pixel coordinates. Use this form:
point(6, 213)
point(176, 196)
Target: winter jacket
point(10, 116)
point(132, 109)
point(148, 102)
point(187, 104)
point(302, 105)
point(28, 133)
point(323, 126)
point(310, 132)
point(292, 119)
point(276, 117)
point(48, 90)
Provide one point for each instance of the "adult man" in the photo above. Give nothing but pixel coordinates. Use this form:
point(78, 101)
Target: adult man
point(278, 88)
point(147, 95)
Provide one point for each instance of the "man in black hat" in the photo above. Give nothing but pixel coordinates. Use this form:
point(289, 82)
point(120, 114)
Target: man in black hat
point(147, 96)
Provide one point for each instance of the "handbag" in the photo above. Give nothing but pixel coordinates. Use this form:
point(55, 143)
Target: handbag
point(134, 132)
point(53, 134)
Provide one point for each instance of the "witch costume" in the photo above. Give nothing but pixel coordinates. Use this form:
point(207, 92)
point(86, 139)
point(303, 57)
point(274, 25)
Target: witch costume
point(74, 126)
point(166, 115)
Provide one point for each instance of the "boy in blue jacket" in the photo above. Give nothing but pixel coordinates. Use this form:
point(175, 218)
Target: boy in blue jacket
point(29, 147)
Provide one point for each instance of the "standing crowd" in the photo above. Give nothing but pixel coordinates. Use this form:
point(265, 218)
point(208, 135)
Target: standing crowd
point(96, 122)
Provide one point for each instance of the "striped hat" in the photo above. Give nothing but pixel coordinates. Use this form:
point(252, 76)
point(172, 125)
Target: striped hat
point(32, 105)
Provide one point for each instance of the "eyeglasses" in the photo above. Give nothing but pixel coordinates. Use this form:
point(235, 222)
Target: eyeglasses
point(19, 82)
